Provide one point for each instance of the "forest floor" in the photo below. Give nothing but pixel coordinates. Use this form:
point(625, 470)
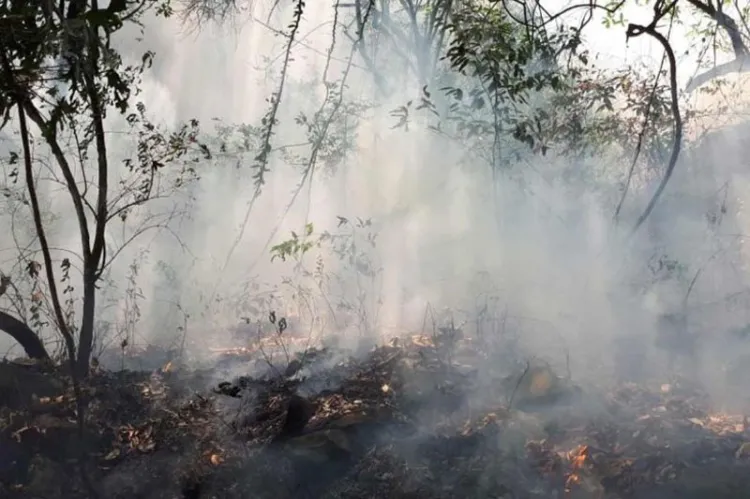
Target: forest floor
point(405, 421)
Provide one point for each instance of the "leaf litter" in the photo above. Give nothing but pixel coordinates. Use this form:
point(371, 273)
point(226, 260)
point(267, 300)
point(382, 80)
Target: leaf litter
point(400, 422)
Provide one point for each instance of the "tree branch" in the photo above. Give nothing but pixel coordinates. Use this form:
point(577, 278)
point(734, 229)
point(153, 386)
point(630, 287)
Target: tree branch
point(97, 116)
point(741, 62)
point(57, 152)
point(726, 22)
point(25, 337)
point(635, 30)
point(642, 133)
point(737, 66)
point(42, 235)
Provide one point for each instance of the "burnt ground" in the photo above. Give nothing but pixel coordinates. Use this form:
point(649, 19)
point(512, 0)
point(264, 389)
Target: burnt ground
point(404, 421)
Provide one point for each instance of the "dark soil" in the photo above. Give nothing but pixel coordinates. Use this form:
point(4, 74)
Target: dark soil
point(404, 422)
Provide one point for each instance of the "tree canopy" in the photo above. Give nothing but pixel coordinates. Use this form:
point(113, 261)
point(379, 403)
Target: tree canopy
point(504, 78)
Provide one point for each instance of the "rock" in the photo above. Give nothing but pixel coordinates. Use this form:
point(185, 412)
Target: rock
point(537, 385)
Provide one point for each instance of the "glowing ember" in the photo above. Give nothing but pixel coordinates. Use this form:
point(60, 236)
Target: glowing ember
point(577, 459)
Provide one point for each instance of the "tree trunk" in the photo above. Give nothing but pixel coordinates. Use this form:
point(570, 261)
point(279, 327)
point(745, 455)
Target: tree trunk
point(86, 337)
point(27, 338)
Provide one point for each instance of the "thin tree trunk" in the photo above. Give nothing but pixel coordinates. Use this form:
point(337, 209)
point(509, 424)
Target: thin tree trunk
point(86, 336)
point(95, 255)
point(42, 235)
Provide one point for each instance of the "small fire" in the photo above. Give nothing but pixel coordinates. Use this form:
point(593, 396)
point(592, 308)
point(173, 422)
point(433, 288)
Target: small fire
point(577, 458)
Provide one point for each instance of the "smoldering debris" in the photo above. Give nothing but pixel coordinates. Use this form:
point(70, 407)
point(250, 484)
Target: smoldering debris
point(406, 420)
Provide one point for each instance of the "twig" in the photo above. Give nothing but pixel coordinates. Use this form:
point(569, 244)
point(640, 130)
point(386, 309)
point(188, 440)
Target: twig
point(591, 5)
point(518, 384)
point(265, 355)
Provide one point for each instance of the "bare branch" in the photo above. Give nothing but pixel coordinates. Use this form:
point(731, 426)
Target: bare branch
point(25, 337)
point(726, 22)
point(741, 62)
point(642, 133)
point(59, 315)
point(737, 66)
point(635, 30)
point(70, 181)
point(591, 5)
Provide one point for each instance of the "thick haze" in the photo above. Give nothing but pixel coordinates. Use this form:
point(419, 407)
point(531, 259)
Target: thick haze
point(546, 253)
